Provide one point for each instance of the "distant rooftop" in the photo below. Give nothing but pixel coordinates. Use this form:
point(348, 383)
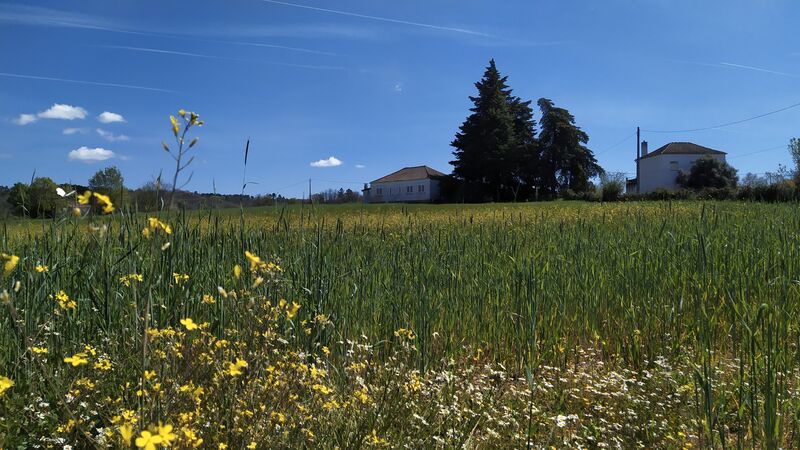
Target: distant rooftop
point(410, 173)
point(683, 148)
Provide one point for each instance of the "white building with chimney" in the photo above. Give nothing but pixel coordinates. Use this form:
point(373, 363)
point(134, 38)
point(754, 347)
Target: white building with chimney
point(659, 169)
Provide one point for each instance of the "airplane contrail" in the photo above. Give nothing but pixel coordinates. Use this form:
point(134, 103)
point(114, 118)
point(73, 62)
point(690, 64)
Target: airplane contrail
point(382, 19)
point(757, 69)
point(225, 58)
point(93, 83)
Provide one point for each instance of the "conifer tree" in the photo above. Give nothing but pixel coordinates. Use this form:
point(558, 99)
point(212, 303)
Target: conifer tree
point(566, 162)
point(494, 141)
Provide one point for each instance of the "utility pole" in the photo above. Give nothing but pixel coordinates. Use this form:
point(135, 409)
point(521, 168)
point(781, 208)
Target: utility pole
point(309, 191)
point(638, 155)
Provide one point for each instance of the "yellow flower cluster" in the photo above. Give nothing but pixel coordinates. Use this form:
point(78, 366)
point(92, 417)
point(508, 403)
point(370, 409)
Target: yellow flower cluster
point(127, 279)
point(102, 200)
point(154, 225)
point(64, 302)
point(10, 262)
point(180, 277)
point(5, 384)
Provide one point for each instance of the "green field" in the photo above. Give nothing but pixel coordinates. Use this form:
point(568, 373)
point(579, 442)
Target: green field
point(561, 324)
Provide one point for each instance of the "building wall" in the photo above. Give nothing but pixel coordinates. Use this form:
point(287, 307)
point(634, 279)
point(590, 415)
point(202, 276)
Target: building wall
point(659, 172)
point(397, 191)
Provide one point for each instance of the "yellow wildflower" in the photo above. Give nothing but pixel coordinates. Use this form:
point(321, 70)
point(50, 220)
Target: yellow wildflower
point(255, 261)
point(252, 445)
point(189, 324)
point(291, 312)
point(10, 264)
point(180, 277)
point(41, 269)
point(209, 299)
point(235, 369)
point(377, 440)
point(237, 271)
point(322, 389)
point(103, 364)
point(77, 359)
point(127, 279)
point(5, 384)
point(149, 374)
point(85, 197)
point(108, 207)
point(64, 302)
point(148, 441)
point(126, 431)
point(174, 123)
point(166, 434)
point(39, 350)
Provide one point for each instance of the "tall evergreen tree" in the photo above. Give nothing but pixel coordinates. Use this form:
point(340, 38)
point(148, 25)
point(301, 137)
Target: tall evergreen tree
point(566, 161)
point(494, 140)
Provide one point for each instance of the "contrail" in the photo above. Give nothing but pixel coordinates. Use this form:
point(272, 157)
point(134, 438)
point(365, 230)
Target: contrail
point(93, 83)
point(225, 58)
point(757, 69)
point(382, 19)
point(40, 17)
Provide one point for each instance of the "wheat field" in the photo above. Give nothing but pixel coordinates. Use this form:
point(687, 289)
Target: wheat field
point(561, 324)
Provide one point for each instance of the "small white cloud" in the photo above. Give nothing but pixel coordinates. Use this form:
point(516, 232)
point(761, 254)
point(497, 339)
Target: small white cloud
point(25, 119)
point(69, 131)
point(398, 87)
point(63, 112)
point(110, 117)
point(330, 162)
point(111, 137)
point(360, 166)
point(90, 155)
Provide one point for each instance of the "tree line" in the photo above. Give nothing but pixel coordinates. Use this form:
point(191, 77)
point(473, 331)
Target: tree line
point(40, 199)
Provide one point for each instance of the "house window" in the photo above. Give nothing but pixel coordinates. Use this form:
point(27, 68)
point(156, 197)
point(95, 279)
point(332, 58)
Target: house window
point(409, 189)
point(673, 165)
point(421, 188)
point(379, 191)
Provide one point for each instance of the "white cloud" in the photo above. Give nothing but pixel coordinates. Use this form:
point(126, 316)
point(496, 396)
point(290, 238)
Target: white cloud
point(63, 112)
point(330, 162)
point(398, 87)
point(25, 119)
point(110, 117)
point(360, 166)
point(111, 137)
point(90, 155)
point(69, 131)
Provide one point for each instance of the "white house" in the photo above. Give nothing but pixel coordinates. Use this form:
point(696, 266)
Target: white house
point(660, 168)
point(410, 184)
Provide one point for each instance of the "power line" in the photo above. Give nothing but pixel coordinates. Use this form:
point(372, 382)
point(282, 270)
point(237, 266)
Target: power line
point(335, 181)
point(727, 123)
point(759, 151)
point(615, 145)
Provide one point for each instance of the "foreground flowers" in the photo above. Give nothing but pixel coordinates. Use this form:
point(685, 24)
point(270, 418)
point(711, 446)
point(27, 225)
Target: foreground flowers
point(9, 263)
point(102, 200)
point(5, 384)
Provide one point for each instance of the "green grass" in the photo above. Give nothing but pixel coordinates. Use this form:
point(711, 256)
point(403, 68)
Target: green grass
point(711, 285)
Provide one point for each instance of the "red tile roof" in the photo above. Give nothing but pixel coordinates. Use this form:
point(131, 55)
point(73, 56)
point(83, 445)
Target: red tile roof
point(683, 148)
point(410, 173)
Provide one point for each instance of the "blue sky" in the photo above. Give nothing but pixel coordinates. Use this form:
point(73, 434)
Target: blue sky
point(378, 85)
